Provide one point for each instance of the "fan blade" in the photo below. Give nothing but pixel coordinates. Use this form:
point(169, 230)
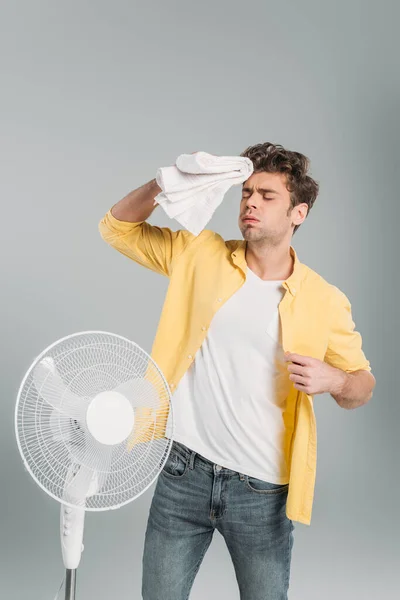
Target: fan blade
point(151, 410)
point(103, 473)
point(139, 392)
point(60, 426)
point(85, 478)
point(81, 479)
point(51, 387)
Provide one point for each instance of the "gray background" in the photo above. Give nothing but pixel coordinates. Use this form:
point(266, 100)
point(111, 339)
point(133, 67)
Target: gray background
point(95, 97)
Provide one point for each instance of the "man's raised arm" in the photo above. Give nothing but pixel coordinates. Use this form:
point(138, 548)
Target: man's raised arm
point(125, 228)
point(137, 205)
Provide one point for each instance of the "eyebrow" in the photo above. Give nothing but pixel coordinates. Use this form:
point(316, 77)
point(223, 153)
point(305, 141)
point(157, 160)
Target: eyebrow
point(265, 190)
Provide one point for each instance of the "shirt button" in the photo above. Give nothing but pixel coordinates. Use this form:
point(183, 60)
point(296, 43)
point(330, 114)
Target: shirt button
point(171, 385)
point(219, 299)
point(190, 356)
point(203, 328)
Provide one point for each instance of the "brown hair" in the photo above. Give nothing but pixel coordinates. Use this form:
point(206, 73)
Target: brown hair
point(273, 158)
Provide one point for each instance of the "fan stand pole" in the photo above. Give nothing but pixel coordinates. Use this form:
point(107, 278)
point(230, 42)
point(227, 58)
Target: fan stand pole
point(70, 584)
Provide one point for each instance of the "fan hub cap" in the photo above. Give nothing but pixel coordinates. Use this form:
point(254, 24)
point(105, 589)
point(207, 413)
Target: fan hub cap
point(110, 417)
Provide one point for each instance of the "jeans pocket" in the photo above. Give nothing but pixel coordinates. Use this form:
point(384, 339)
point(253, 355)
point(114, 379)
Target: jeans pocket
point(176, 465)
point(264, 487)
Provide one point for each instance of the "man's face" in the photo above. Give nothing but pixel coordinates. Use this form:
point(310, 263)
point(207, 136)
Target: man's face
point(266, 198)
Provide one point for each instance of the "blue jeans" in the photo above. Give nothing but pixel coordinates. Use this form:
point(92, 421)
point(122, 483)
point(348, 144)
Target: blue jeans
point(192, 498)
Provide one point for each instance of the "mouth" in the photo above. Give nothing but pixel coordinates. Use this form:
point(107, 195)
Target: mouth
point(250, 220)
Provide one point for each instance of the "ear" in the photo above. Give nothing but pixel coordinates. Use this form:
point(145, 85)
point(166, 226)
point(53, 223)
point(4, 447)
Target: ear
point(299, 213)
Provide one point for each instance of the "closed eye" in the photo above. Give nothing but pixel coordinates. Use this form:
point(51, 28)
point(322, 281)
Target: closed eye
point(244, 197)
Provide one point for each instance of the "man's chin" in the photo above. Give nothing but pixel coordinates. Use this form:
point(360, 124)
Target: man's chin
point(249, 234)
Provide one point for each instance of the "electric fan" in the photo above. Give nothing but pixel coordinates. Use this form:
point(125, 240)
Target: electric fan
point(91, 421)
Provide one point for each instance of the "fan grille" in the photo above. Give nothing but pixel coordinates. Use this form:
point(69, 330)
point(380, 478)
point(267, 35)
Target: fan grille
point(56, 443)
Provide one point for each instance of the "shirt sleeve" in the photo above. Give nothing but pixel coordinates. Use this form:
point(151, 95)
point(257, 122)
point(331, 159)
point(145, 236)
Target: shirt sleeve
point(155, 248)
point(344, 349)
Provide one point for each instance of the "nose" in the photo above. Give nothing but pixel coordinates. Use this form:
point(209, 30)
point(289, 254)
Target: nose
point(251, 201)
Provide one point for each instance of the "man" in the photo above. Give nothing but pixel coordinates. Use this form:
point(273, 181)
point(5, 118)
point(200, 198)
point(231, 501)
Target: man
point(247, 336)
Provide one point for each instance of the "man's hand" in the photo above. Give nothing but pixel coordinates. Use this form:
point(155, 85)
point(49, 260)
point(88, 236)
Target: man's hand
point(314, 376)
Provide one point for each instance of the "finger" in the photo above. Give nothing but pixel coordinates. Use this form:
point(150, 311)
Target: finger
point(298, 379)
point(301, 387)
point(296, 358)
point(297, 369)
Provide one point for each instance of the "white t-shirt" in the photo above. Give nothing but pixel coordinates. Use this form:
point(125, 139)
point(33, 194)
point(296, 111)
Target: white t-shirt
point(228, 405)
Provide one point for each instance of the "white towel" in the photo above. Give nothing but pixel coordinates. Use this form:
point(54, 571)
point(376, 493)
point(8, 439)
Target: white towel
point(194, 187)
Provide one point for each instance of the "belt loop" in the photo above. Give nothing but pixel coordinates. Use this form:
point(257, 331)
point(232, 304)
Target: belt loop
point(191, 460)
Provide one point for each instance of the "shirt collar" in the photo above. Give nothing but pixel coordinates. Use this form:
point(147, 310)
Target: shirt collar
point(292, 283)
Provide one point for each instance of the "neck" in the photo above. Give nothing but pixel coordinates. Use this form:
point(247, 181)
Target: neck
point(269, 262)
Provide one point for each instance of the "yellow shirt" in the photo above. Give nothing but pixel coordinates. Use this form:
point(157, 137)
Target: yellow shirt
point(204, 272)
